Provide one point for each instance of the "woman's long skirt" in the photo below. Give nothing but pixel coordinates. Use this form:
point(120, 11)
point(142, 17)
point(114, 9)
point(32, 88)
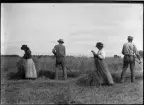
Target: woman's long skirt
point(103, 72)
point(30, 69)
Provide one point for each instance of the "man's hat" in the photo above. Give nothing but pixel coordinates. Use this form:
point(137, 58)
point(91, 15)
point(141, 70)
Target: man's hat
point(61, 40)
point(130, 37)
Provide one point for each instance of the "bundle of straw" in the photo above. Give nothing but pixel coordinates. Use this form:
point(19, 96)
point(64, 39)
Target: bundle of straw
point(90, 79)
point(20, 67)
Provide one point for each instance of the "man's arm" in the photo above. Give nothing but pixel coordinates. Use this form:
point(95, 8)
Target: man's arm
point(123, 50)
point(65, 51)
point(54, 51)
point(137, 53)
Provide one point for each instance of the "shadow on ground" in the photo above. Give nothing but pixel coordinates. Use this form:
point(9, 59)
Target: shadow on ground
point(93, 81)
point(51, 74)
point(15, 76)
point(47, 74)
point(42, 73)
point(116, 78)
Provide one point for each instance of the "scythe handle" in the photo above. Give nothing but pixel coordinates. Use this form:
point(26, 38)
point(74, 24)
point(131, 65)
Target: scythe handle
point(68, 69)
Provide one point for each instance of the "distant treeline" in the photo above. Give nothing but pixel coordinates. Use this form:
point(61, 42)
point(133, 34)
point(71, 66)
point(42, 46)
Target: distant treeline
point(32, 55)
point(140, 52)
point(70, 56)
point(9, 55)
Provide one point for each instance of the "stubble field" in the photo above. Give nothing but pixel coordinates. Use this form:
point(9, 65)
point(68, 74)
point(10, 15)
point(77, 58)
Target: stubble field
point(45, 90)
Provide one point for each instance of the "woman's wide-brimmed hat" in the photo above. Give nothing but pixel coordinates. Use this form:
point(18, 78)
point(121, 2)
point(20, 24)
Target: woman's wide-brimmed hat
point(61, 40)
point(99, 44)
point(130, 37)
point(23, 47)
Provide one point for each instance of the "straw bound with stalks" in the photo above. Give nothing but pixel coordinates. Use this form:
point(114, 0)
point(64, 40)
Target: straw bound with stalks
point(91, 79)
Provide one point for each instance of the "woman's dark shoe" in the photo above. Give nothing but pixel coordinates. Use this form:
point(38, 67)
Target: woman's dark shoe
point(30, 78)
point(110, 84)
point(33, 78)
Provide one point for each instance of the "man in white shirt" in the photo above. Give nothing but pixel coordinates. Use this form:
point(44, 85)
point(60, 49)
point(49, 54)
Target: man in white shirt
point(129, 51)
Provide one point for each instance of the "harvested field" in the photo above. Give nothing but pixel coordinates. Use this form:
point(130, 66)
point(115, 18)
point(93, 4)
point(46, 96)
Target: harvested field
point(46, 90)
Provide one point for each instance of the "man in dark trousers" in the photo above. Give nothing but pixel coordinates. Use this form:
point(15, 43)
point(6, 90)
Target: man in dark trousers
point(60, 52)
point(130, 52)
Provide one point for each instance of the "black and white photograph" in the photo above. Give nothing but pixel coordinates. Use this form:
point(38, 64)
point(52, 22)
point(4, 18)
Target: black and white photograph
point(71, 53)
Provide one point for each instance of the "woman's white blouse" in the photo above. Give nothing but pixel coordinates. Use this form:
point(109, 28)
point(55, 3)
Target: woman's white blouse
point(101, 54)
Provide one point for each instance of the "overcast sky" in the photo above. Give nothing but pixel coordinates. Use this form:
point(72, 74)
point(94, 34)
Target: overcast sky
point(81, 25)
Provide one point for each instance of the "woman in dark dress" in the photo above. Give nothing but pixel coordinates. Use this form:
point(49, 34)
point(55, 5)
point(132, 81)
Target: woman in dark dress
point(102, 69)
point(30, 69)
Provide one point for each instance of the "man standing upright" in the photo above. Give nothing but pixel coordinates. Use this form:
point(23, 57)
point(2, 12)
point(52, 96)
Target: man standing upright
point(60, 52)
point(130, 52)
